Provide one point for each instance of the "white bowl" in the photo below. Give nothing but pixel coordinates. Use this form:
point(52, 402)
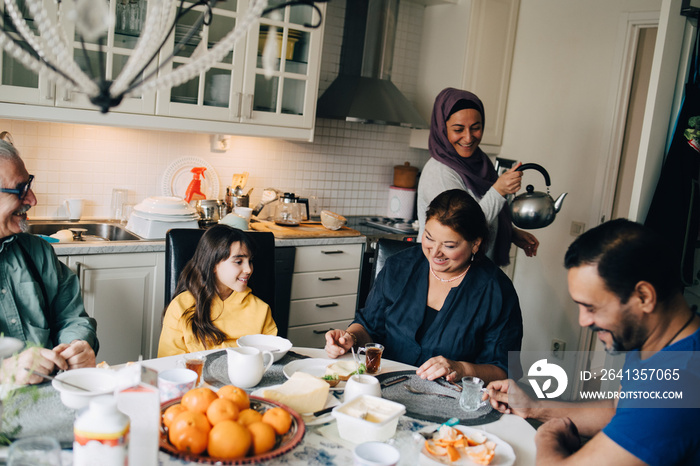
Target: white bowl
point(165, 205)
point(96, 381)
point(278, 346)
point(331, 220)
point(379, 423)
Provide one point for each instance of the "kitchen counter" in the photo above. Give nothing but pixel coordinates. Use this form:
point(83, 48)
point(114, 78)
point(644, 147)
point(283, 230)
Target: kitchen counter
point(119, 247)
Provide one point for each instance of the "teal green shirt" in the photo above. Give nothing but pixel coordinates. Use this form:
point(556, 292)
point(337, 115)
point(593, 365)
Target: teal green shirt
point(23, 312)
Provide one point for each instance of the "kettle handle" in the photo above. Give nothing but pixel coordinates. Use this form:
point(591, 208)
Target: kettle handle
point(539, 168)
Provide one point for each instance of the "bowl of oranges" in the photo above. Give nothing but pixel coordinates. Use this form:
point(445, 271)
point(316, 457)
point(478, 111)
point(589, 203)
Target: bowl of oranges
point(228, 427)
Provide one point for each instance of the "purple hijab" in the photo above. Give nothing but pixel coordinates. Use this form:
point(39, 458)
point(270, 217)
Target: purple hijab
point(476, 171)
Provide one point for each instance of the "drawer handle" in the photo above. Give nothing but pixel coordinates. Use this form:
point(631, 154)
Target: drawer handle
point(338, 251)
point(322, 332)
point(327, 305)
point(328, 279)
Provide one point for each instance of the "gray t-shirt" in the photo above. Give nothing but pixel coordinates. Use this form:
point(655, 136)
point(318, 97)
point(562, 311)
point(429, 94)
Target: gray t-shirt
point(436, 178)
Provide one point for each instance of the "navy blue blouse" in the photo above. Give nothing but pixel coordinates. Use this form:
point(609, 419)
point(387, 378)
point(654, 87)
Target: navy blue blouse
point(480, 321)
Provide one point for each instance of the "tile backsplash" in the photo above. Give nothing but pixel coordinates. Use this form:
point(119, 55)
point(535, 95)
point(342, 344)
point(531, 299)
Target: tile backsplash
point(349, 166)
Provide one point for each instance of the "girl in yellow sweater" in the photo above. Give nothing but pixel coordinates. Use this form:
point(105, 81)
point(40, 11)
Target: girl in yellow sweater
point(213, 306)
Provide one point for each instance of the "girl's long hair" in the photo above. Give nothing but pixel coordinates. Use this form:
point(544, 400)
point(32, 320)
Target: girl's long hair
point(198, 278)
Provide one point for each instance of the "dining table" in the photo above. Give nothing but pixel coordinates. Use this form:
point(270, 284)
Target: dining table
point(321, 443)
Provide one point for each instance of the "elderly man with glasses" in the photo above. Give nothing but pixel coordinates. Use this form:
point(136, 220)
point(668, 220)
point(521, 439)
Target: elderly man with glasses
point(40, 300)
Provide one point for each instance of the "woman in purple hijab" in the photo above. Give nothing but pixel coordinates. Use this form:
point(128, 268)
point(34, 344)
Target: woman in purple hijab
point(456, 161)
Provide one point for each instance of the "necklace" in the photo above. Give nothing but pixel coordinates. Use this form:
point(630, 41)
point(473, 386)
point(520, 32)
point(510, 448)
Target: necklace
point(448, 280)
point(692, 317)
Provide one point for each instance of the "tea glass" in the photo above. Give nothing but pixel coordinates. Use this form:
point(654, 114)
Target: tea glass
point(472, 394)
point(35, 451)
point(373, 357)
point(193, 362)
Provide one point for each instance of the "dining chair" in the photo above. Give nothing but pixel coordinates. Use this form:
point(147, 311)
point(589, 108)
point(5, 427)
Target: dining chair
point(385, 249)
point(180, 245)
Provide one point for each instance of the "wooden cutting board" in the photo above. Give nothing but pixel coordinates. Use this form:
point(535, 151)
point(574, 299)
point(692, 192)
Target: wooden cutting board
point(305, 230)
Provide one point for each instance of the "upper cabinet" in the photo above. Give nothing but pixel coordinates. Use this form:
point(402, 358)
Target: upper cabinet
point(233, 97)
point(468, 46)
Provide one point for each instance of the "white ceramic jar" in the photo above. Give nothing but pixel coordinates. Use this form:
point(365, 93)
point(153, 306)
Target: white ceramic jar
point(101, 434)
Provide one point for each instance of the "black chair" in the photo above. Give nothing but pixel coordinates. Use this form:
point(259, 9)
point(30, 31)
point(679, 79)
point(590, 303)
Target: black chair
point(180, 245)
point(385, 249)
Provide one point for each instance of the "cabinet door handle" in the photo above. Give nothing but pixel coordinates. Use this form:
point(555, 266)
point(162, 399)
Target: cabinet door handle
point(50, 91)
point(321, 332)
point(327, 305)
point(248, 102)
point(328, 279)
point(338, 251)
point(236, 104)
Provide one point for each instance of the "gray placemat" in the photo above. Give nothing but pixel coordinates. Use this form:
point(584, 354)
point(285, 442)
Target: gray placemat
point(215, 371)
point(30, 407)
point(432, 408)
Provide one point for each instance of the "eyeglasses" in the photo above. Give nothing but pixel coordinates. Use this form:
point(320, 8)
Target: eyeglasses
point(21, 190)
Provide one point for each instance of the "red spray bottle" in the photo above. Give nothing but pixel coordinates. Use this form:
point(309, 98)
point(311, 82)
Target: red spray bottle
point(194, 189)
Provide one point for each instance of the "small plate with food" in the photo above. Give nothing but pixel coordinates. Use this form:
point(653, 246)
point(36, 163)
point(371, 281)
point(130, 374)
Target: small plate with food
point(466, 446)
point(335, 372)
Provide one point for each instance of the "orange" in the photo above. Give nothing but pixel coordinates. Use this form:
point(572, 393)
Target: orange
point(229, 439)
point(171, 413)
point(190, 440)
point(198, 399)
point(249, 416)
point(235, 394)
point(452, 453)
point(279, 419)
point(186, 420)
point(435, 449)
point(263, 437)
point(222, 409)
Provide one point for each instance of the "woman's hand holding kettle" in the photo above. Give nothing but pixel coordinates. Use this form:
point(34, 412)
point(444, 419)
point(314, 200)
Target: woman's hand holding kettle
point(509, 182)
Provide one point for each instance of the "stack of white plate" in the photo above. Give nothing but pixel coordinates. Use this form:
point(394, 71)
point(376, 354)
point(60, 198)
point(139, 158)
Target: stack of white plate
point(154, 216)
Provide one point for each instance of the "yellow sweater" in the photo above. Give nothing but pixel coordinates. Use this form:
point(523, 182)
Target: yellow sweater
point(240, 314)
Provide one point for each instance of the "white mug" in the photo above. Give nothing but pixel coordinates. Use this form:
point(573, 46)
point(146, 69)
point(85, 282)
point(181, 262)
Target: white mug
point(245, 212)
point(361, 384)
point(246, 365)
point(74, 207)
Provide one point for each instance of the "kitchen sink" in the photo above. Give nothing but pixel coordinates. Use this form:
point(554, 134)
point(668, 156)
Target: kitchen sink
point(94, 230)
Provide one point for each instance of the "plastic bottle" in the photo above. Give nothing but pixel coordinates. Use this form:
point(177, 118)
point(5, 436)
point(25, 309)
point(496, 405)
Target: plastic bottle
point(101, 434)
point(194, 189)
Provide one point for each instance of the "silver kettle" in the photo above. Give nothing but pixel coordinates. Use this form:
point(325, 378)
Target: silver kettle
point(534, 209)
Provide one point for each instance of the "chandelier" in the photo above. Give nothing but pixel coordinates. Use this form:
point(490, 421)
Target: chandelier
point(51, 52)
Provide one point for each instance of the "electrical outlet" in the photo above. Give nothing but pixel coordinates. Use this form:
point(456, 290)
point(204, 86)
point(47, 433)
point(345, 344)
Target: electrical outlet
point(577, 228)
point(557, 348)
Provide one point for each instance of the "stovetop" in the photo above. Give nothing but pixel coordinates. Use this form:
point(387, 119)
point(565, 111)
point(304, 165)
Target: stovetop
point(392, 225)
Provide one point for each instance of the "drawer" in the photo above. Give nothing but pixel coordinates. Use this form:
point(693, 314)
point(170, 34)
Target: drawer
point(320, 284)
point(314, 336)
point(330, 257)
point(311, 311)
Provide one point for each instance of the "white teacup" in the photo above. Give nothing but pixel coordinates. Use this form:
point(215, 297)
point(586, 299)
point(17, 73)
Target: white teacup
point(246, 365)
point(376, 454)
point(173, 383)
point(361, 384)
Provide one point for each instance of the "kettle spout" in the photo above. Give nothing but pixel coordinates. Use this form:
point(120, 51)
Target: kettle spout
point(559, 202)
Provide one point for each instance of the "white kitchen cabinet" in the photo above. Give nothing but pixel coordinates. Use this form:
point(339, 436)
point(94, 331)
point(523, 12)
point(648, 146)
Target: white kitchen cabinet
point(476, 58)
point(233, 97)
point(324, 292)
point(124, 293)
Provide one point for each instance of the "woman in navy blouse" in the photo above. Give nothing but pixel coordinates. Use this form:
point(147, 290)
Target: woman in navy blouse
point(444, 307)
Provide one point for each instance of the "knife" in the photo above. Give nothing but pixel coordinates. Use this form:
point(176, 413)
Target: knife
point(324, 411)
point(395, 381)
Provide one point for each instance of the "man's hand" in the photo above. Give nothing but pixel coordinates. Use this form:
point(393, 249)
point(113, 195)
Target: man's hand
point(338, 342)
point(557, 438)
point(78, 354)
point(17, 369)
point(507, 397)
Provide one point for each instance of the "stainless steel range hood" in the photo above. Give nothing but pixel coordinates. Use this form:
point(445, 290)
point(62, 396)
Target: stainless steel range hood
point(363, 90)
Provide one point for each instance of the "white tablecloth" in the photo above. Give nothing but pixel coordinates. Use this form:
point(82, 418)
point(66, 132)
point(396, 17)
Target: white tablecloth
point(320, 448)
